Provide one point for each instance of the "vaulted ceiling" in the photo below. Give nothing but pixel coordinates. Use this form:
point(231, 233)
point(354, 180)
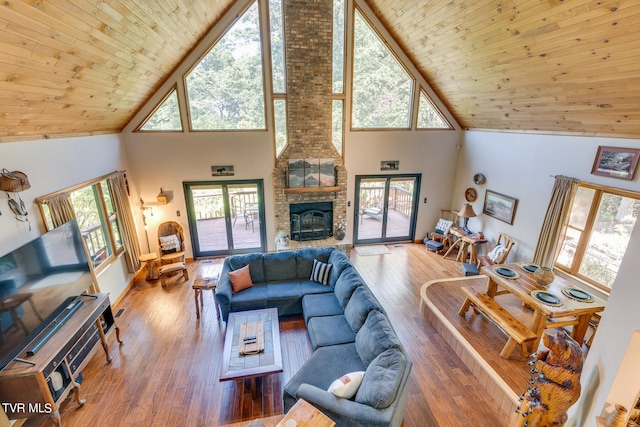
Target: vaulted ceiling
point(81, 67)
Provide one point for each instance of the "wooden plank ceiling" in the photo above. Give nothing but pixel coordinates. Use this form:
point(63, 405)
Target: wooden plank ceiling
point(78, 67)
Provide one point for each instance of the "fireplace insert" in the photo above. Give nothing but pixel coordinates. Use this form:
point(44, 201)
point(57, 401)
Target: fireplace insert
point(311, 221)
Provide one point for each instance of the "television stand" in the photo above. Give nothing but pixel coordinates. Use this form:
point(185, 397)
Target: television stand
point(39, 386)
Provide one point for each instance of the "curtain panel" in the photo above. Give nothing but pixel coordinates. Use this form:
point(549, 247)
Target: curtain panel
point(555, 221)
point(127, 223)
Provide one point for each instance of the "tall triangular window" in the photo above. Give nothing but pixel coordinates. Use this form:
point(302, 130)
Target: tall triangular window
point(428, 115)
point(225, 89)
point(382, 87)
point(166, 117)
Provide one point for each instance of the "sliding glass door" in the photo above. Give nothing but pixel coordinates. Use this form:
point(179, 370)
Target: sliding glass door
point(225, 217)
point(386, 208)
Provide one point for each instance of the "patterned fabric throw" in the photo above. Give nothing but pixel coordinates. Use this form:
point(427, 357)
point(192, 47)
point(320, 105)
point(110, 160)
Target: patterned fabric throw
point(321, 272)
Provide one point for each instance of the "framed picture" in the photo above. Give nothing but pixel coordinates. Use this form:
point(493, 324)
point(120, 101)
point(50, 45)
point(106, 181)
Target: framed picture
point(499, 206)
point(616, 162)
point(222, 171)
point(389, 165)
point(296, 173)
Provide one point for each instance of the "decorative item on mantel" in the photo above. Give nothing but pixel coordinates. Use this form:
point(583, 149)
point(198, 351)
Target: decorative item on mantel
point(341, 227)
point(544, 275)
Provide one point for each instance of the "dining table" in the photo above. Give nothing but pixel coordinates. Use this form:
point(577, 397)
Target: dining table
point(558, 304)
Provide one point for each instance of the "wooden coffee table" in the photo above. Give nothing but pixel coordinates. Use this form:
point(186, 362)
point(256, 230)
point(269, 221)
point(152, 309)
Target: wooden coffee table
point(269, 361)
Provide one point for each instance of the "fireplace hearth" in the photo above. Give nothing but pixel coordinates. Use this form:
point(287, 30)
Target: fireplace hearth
point(311, 221)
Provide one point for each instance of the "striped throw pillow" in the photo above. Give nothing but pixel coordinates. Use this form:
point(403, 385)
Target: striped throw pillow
point(321, 272)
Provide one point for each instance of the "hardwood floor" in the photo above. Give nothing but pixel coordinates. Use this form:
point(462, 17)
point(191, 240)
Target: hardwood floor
point(166, 372)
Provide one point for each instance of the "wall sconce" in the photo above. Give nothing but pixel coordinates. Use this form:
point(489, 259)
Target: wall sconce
point(162, 198)
point(145, 210)
point(13, 183)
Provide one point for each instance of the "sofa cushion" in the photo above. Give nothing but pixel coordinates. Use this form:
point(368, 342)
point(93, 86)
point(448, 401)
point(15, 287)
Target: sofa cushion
point(317, 305)
point(305, 257)
point(240, 279)
point(321, 369)
point(321, 272)
point(348, 281)
point(255, 263)
point(252, 298)
point(340, 261)
point(308, 287)
point(375, 336)
point(329, 330)
point(283, 290)
point(279, 266)
point(358, 307)
point(382, 379)
point(347, 385)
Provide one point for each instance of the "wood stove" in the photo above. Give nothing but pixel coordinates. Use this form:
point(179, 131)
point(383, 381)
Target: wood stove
point(311, 221)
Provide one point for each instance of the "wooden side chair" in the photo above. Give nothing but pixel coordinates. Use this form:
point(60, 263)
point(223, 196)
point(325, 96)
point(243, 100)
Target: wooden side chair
point(171, 242)
point(499, 253)
point(444, 236)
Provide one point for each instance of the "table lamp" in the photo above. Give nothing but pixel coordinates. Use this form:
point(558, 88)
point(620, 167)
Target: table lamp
point(466, 212)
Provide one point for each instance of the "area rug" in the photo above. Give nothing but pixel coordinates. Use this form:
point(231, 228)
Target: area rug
point(372, 250)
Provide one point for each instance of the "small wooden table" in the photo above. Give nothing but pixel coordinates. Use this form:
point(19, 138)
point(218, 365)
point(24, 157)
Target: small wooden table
point(206, 279)
point(153, 265)
point(305, 414)
point(466, 243)
point(236, 366)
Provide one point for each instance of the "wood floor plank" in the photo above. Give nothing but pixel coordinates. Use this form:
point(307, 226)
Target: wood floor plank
point(167, 371)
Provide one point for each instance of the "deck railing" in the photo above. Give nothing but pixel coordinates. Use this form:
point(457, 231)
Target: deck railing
point(400, 199)
point(212, 206)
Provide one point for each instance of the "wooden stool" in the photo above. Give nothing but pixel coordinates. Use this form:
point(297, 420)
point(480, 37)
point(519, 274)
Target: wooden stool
point(153, 264)
point(171, 270)
point(207, 279)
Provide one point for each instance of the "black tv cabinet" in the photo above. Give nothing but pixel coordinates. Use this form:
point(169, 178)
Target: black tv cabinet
point(37, 384)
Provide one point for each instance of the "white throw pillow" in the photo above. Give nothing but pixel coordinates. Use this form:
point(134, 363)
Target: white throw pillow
point(443, 226)
point(169, 243)
point(347, 385)
point(496, 253)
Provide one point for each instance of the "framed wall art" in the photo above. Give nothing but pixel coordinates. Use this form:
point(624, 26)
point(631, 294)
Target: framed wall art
point(500, 206)
point(226, 170)
point(616, 162)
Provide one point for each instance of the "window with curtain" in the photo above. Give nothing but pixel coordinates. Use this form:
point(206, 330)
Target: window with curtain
point(597, 234)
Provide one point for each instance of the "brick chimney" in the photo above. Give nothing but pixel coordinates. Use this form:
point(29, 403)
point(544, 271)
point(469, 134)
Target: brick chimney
point(309, 39)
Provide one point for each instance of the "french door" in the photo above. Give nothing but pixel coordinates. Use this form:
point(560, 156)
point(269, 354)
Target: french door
point(386, 208)
point(225, 217)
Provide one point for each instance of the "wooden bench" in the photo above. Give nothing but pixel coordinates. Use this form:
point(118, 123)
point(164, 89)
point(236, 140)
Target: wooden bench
point(518, 333)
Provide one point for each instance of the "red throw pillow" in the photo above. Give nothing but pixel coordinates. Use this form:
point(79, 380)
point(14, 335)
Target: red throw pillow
point(240, 279)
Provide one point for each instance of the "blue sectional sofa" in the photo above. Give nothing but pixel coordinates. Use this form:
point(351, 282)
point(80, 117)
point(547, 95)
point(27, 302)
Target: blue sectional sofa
point(348, 328)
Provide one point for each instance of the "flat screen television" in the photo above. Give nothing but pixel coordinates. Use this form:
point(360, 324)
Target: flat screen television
point(38, 281)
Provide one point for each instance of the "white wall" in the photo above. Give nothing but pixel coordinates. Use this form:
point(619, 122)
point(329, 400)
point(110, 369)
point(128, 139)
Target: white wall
point(520, 166)
point(52, 165)
point(432, 153)
point(167, 160)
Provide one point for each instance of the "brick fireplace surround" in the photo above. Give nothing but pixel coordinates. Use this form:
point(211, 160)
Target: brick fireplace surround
point(308, 37)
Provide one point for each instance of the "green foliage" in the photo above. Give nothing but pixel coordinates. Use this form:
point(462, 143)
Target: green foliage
point(225, 90)
point(276, 21)
point(166, 117)
point(381, 86)
point(338, 46)
point(428, 116)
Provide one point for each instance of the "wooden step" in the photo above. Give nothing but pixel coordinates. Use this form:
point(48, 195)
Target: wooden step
point(518, 333)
